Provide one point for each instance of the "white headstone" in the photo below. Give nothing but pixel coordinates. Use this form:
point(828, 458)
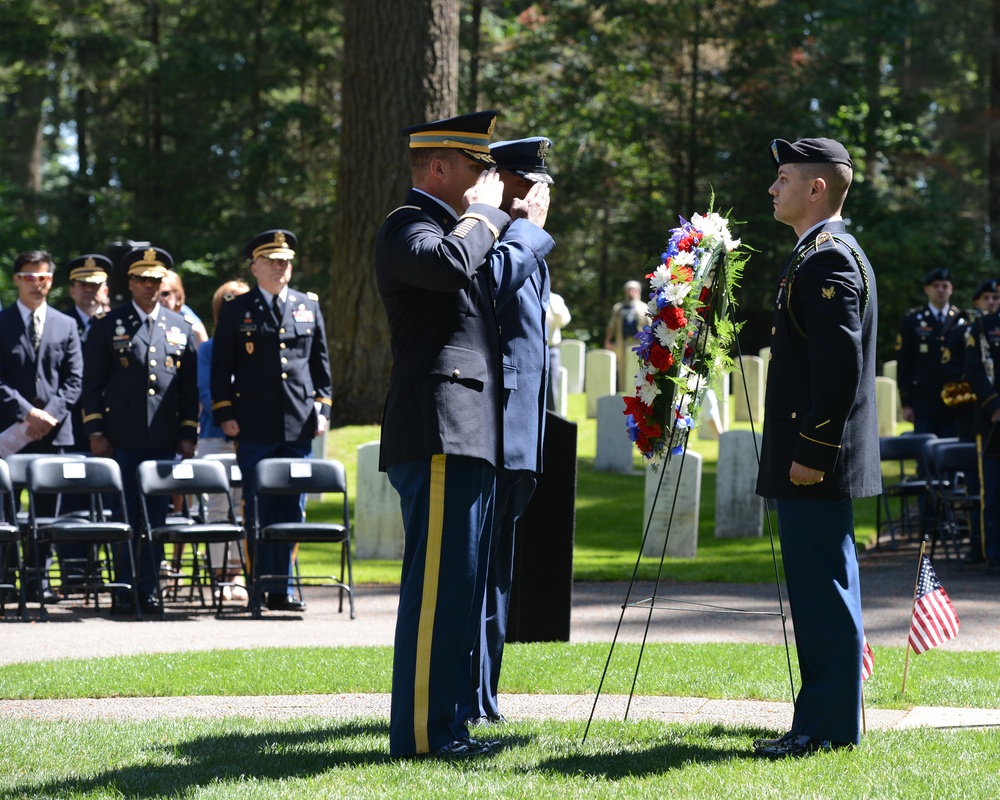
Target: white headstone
point(738, 510)
point(765, 357)
point(571, 354)
point(600, 370)
point(714, 412)
point(886, 399)
point(889, 371)
point(614, 448)
point(682, 540)
point(748, 389)
point(378, 522)
point(563, 381)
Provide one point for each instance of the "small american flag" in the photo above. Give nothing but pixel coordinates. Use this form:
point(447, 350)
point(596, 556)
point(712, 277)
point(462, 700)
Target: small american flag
point(934, 619)
point(867, 662)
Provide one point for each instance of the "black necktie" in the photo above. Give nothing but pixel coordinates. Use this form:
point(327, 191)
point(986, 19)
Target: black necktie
point(34, 331)
point(276, 308)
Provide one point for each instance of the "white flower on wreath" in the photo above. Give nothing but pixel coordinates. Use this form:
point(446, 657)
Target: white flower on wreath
point(714, 225)
point(667, 337)
point(646, 391)
point(661, 278)
point(675, 292)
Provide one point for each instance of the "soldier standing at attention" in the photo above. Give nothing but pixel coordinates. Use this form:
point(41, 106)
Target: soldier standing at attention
point(271, 391)
point(919, 349)
point(140, 399)
point(820, 440)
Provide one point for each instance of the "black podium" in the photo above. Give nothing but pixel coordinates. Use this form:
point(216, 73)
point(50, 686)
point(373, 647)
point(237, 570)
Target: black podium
point(541, 594)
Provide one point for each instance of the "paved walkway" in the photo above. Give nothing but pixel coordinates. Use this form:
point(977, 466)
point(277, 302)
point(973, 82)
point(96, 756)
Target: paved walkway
point(887, 585)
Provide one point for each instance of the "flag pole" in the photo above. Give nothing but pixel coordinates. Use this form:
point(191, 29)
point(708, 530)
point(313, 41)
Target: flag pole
point(906, 666)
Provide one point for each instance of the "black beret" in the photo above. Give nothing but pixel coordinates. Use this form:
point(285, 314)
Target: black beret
point(91, 268)
point(524, 157)
point(275, 243)
point(469, 134)
point(146, 262)
point(809, 151)
point(937, 274)
point(989, 285)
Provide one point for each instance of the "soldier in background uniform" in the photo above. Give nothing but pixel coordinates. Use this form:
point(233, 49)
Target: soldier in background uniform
point(919, 349)
point(86, 275)
point(140, 398)
point(982, 351)
point(820, 440)
point(271, 392)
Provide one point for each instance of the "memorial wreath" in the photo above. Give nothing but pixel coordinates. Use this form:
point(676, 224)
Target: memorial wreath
point(685, 348)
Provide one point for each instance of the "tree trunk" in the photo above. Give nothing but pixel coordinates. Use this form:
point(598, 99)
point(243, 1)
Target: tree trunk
point(993, 115)
point(400, 68)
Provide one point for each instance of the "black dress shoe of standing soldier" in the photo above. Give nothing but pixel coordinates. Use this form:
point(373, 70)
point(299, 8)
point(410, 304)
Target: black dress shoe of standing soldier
point(282, 602)
point(759, 743)
point(797, 746)
point(465, 748)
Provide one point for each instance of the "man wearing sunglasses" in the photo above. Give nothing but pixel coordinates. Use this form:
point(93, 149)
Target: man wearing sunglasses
point(41, 370)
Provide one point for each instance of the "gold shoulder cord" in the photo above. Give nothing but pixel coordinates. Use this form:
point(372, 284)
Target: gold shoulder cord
point(801, 257)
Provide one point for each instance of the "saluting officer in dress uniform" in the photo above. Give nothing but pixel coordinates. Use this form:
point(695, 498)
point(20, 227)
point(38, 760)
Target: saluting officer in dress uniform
point(271, 391)
point(442, 435)
point(140, 397)
point(521, 283)
point(820, 438)
point(919, 349)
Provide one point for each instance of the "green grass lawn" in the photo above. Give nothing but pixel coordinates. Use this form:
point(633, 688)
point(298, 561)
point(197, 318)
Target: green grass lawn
point(609, 518)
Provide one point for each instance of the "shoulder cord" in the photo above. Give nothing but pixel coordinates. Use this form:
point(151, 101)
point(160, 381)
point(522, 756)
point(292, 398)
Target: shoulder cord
point(801, 257)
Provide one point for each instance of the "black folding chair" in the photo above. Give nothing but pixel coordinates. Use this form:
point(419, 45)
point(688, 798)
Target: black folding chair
point(954, 462)
point(11, 574)
point(303, 476)
point(191, 477)
point(907, 486)
point(94, 477)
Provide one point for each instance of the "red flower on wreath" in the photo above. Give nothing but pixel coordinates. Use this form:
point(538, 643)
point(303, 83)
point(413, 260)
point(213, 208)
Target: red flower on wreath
point(685, 274)
point(660, 357)
point(673, 317)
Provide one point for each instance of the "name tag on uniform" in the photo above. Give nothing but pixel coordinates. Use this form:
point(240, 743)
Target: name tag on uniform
point(122, 342)
point(250, 327)
point(303, 314)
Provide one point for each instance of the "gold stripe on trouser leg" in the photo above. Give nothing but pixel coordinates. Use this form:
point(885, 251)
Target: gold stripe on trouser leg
point(982, 495)
point(428, 604)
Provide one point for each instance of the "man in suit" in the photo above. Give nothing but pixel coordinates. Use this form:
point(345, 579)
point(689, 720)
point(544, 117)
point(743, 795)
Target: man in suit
point(271, 392)
point(442, 435)
point(521, 285)
point(919, 349)
point(982, 353)
point(41, 370)
point(140, 399)
point(87, 276)
point(820, 439)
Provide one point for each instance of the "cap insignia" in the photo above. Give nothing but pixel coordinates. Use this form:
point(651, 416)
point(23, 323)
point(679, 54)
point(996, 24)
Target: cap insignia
point(543, 149)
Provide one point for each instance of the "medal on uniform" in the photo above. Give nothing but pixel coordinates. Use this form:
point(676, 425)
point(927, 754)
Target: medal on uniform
point(168, 362)
point(249, 348)
point(924, 348)
point(120, 330)
point(124, 362)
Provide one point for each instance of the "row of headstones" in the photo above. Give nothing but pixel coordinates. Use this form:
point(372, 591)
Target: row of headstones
point(671, 507)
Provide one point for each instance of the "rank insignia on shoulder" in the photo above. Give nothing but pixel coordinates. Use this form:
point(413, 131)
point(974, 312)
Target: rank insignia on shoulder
point(828, 292)
point(946, 355)
point(312, 296)
point(823, 238)
point(970, 340)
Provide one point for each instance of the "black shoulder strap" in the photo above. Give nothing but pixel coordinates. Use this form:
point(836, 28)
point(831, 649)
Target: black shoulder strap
point(821, 240)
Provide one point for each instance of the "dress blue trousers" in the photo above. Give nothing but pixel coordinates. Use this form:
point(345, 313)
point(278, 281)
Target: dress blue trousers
point(824, 593)
point(447, 505)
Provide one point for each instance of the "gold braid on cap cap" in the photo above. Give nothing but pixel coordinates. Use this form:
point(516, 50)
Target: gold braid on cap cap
point(278, 245)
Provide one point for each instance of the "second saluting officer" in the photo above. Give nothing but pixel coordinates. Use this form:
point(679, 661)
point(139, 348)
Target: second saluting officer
point(140, 397)
point(271, 391)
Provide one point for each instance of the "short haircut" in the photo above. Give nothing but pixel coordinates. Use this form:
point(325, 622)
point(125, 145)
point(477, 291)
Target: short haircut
point(232, 288)
point(421, 157)
point(838, 179)
point(33, 257)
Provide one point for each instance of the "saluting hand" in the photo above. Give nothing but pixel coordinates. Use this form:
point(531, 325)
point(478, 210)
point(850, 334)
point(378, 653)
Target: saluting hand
point(487, 189)
point(534, 207)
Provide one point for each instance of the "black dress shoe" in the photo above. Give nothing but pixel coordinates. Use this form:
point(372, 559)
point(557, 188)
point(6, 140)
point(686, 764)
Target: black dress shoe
point(489, 719)
point(122, 604)
point(283, 602)
point(149, 604)
point(798, 745)
point(48, 595)
point(759, 743)
point(465, 748)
